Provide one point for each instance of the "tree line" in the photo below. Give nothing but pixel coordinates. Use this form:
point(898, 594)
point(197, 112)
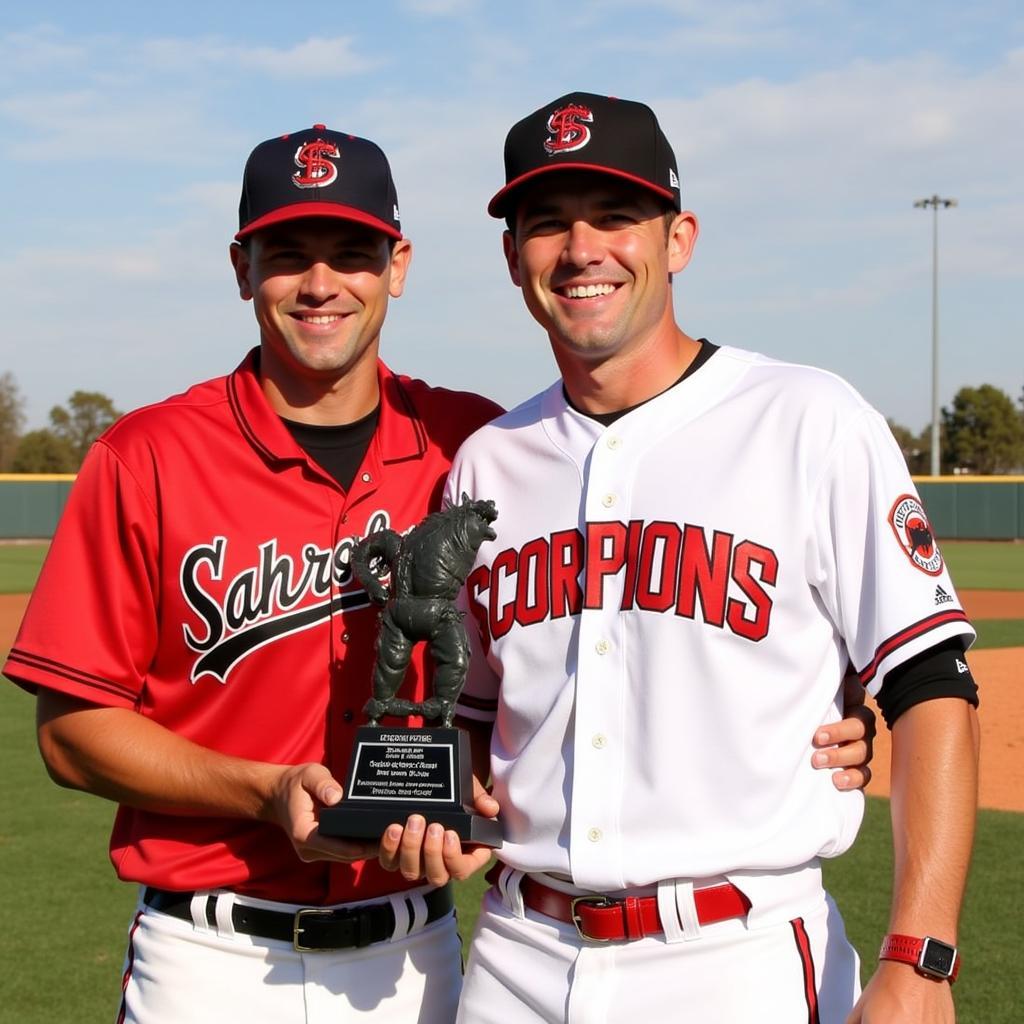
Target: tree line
point(58, 448)
point(981, 432)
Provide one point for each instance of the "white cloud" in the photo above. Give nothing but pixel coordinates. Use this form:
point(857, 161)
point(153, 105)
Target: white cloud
point(441, 8)
point(34, 50)
point(335, 57)
point(120, 126)
point(811, 249)
point(135, 102)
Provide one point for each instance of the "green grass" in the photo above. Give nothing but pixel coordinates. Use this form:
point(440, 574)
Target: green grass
point(998, 633)
point(19, 566)
point(980, 565)
point(65, 915)
point(989, 988)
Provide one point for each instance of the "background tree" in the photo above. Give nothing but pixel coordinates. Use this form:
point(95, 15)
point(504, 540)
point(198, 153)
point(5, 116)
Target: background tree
point(12, 419)
point(984, 431)
point(915, 447)
point(42, 451)
point(87, 415)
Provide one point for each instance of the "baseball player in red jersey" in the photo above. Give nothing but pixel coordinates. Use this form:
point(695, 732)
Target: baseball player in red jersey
point(201, 651)
point(693, 543)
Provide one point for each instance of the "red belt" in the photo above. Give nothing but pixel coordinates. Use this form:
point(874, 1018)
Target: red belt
point(604, 919)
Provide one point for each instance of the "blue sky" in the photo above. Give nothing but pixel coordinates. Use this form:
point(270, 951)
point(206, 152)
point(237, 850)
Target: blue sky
point(804, 131)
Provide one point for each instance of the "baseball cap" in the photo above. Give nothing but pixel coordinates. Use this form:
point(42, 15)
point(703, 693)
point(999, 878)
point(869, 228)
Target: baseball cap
point(585, 132)
point(318, 172)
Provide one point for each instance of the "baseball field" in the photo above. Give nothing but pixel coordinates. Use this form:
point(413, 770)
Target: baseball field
point(64, 914)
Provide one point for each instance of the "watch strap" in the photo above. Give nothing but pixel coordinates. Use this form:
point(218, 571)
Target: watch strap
point(931, 957)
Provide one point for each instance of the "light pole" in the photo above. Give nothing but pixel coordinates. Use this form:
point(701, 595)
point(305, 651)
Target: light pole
point(935, 202)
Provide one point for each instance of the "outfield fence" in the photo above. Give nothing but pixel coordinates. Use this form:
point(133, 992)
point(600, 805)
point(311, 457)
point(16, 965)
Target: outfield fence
point(31, 504)
point(960, 507)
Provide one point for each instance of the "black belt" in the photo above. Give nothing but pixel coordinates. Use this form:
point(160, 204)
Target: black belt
point(311, 929)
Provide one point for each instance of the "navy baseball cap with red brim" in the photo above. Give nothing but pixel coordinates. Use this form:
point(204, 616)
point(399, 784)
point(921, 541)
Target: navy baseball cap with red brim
point(318, 173)
point(582, 131)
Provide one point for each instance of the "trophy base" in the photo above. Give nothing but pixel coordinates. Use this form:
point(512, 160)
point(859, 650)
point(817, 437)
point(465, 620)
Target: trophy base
point(395, 772)
point(348, 821)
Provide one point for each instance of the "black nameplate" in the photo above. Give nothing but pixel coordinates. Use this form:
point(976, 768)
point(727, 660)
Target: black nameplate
point(398, 772)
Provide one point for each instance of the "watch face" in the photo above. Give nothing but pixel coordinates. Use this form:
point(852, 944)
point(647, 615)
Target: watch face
point(937, 958)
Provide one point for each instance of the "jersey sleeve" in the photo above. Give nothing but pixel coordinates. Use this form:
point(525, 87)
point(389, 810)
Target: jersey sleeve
point(479, 697)
point(876, 564)
point(90, 627)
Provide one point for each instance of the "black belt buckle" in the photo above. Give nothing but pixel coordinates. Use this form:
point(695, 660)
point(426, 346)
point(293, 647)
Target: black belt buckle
point(357, 918)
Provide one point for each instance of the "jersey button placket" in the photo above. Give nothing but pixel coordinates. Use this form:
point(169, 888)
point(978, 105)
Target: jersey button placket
point(596, 796)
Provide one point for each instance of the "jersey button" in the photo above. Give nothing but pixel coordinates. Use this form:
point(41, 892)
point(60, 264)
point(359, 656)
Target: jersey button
point(602, 647)
point(609, 500)
point(595, 835)
point(347, 715)
point(599, 741)
point(345, 637)
point(615, 443)
point(367, 478)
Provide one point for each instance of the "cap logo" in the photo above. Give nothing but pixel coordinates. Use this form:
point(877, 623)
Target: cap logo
point(568, 133)
point(314, 169)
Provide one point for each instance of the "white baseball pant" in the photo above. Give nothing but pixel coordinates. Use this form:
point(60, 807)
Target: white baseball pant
point(195, 974)
point(525, 968)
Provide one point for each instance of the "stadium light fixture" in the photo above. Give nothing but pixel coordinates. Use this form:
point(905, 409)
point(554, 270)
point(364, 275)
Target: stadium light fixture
point(935, 202)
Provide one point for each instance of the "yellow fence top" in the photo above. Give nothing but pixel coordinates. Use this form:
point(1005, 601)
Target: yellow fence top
point(34, 478)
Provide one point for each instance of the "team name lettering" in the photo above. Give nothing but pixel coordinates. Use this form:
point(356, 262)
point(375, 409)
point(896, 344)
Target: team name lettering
point(273, 598)
point(655, 566)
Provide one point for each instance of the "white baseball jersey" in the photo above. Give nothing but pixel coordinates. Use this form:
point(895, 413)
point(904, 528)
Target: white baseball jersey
point(668, 611)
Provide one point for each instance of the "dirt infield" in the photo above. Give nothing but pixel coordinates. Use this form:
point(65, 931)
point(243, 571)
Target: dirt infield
point(999, 674)
point(993, 604)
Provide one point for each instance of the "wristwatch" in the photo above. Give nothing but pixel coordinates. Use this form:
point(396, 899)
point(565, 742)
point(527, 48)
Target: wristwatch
point(931, 957)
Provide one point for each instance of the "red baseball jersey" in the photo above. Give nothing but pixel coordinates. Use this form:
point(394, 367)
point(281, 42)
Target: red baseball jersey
point(200, 575)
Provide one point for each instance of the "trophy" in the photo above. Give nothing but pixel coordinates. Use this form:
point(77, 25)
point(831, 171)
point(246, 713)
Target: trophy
point(397, 771)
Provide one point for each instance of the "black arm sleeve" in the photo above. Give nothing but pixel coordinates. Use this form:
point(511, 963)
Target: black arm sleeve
point(940, 671)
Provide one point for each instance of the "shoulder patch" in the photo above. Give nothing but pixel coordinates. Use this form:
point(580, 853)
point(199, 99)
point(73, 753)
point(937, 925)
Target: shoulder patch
point(913, 531)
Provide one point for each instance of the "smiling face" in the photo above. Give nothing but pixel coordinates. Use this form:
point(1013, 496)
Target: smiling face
point(320, 290)
point(593, 256)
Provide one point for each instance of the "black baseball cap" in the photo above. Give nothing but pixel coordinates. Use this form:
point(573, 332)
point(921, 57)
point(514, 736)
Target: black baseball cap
point(585, 132)
point(318, 173)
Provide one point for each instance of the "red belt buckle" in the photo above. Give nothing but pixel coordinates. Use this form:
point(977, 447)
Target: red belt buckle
point(590, 901)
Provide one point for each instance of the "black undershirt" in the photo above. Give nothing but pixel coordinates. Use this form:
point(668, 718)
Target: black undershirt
point(338, 450)
point(606, 419)
point(935, 672)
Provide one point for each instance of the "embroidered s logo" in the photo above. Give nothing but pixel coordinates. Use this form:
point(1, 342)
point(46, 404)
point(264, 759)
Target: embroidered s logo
point(568, 128)
point(315, 167)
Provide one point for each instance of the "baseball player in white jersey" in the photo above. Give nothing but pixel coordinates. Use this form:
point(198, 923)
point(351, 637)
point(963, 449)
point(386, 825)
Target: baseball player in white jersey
point(693, 544)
